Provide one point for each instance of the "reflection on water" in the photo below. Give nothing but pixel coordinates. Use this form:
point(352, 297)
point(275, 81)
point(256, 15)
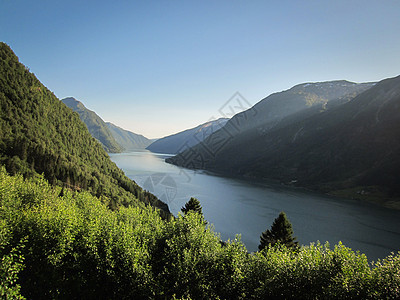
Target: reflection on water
point(237, 206)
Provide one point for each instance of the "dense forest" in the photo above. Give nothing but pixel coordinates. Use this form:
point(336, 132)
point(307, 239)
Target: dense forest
point(39, 134)
point(96, 126)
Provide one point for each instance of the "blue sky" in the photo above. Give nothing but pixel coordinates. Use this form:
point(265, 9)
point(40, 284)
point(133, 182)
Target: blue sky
point(159, 67)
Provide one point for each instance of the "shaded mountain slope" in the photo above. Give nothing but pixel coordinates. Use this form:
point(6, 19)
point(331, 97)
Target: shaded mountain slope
point(268, 112)
point(97, 127)
point(128, 140)
point(40, 134)
point(278, 109)
point(355, 144)
point(178, 142)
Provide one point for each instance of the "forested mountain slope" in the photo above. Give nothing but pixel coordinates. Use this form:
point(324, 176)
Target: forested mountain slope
point(285, 107)
point(128, 140)
point(40, 134)
point(354, 144)
point(97, 127)
point(271, 110)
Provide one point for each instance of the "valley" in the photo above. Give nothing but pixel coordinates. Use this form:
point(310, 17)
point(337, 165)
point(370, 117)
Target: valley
point(80, 222)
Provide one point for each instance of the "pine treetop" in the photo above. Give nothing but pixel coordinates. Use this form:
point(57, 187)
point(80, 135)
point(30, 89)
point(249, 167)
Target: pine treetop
point(281, 231)
point(192, 205)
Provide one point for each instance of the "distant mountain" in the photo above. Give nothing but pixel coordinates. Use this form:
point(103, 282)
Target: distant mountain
point(355, 145)
point(273, 109)
point(343, 145)
point(278, 109)
point(97, 127)
point(41, 135)
point(176, 143)
point(307, 99)
point(128, 140)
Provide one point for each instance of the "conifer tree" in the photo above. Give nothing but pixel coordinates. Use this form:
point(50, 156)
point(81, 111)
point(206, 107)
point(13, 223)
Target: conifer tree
point(192, 205)
point(281, 231)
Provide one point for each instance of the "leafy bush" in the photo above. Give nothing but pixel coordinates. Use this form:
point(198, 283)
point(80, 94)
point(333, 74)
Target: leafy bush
point(70, 245)
point(11, 264)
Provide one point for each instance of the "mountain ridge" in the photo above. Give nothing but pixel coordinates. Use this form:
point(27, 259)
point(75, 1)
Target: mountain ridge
point(268, 112)
point(185, 139)
point(113, 138)
point(350, 146)
point(95, 124)
point(128, 140)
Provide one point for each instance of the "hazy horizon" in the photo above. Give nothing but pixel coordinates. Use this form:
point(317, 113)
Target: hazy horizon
point(157, 68)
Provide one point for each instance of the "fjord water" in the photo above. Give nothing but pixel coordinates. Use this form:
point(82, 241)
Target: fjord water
point(237, 206)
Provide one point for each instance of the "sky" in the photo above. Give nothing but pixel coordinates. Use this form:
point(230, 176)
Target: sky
point(160, 67)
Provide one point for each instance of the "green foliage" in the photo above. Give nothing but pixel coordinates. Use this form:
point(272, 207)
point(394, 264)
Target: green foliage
point(40, 135)
point(314, 272)
point(11, 264)
point(192, 205)
point(385, 282)
point(73, 245)
point(69, 245)
point(281, 232)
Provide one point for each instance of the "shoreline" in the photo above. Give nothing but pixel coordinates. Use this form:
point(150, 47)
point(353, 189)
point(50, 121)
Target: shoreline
point(372, 194)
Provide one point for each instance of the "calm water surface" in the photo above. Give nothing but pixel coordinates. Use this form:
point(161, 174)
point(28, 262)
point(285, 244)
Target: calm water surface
point(243, 207)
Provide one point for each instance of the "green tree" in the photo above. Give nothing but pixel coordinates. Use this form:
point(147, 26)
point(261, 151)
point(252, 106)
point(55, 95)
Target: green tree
point(192, 205)
point(281, 231)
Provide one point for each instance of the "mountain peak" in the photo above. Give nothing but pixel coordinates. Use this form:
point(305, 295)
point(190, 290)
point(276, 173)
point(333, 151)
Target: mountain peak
point(97, 128)
point(326, 83)
point(330, 89)
point(72, 102)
